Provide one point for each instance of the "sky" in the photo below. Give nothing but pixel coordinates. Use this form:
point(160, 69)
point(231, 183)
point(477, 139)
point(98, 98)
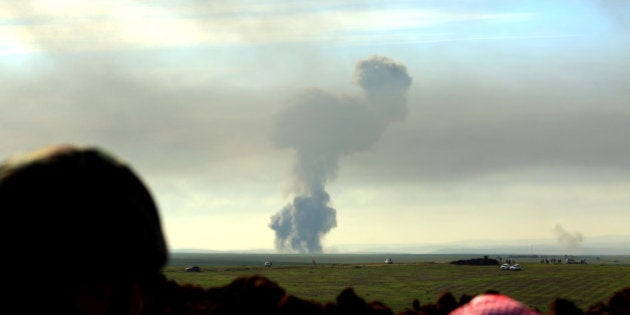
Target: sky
point(398, 122)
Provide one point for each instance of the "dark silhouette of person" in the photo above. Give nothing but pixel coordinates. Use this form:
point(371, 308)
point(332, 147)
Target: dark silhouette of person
point(82, 232)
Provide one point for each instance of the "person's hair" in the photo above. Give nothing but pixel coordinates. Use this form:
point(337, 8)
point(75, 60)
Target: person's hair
point(79, 213)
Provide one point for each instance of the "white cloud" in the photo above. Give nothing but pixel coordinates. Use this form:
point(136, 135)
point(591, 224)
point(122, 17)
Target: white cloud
point(70, 26)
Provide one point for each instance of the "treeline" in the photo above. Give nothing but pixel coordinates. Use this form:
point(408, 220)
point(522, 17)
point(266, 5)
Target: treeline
point(476, 261)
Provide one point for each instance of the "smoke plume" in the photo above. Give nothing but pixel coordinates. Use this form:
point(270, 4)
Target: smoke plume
point(322, 127)
point(568, 241)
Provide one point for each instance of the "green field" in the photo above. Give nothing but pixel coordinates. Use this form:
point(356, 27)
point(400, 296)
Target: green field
point(398, 284)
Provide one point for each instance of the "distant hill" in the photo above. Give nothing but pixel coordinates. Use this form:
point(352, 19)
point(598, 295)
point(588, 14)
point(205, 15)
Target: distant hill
point(601, 245)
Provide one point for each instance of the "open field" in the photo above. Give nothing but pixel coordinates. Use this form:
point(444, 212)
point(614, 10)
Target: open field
point(398, 284)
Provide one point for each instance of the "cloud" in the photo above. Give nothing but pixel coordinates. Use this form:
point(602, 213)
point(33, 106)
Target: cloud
point(475, 119)
point(70, 26)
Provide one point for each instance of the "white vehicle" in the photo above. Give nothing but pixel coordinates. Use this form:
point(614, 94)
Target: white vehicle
point(505, 267)
point(389, 261)
point(516, 267)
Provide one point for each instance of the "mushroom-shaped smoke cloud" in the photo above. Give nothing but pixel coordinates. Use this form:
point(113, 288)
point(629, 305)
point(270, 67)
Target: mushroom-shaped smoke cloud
point(322, 127)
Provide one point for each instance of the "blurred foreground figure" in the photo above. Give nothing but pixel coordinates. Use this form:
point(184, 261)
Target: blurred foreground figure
point(82, 232)
point(493, 304)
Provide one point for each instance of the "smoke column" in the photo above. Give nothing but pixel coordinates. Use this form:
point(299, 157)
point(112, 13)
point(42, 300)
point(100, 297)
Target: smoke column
point(568, 241)
point(322, 127)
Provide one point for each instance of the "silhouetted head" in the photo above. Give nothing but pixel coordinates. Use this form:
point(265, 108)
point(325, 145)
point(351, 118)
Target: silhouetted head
point(79, 213)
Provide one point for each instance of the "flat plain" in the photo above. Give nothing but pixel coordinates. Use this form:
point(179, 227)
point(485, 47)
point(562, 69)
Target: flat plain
point(422, 277)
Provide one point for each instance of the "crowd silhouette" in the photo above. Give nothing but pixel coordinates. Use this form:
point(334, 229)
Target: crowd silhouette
point(88, 238)
point(259, 295)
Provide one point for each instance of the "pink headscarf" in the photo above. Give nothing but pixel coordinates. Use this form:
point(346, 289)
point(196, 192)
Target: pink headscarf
point(493, 304)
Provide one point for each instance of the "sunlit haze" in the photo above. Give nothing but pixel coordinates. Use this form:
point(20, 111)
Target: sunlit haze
point(485, 124)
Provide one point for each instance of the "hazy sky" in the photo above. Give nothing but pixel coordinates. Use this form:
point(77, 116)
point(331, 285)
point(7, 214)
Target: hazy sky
point(517, 121)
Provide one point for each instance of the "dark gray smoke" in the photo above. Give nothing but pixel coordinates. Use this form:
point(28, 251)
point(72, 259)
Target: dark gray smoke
point(322, 127)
